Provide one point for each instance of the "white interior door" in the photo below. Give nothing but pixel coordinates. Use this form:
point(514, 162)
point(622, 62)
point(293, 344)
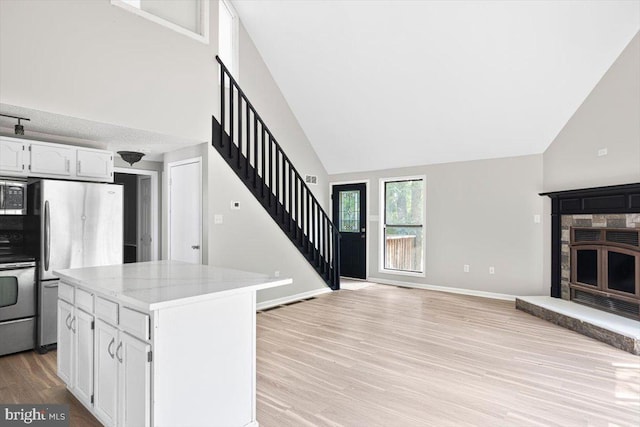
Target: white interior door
point(185, 211)
point(144, 218)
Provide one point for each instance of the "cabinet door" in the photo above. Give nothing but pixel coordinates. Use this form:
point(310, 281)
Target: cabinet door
point(52, 160)
point(135, 382)
point(83, 332)
point(94, 164)
point(106, 365)
point(65, 343)
point(12, 156)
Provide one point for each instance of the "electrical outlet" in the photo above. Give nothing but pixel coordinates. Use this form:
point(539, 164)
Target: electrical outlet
point(276, 273)
point(602, 152)
point(217, 219)
point(492, 270)
point(466, 268)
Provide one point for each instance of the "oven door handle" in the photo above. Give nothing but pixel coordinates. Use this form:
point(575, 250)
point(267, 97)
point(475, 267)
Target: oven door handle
point(47, 235)
point(13, 269)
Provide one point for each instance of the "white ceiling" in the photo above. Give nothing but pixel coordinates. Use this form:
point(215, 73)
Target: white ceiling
point(52, 127)
point(382, 84)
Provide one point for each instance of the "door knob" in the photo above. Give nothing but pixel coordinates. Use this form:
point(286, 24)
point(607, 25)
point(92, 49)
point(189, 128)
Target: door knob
point(195, 247)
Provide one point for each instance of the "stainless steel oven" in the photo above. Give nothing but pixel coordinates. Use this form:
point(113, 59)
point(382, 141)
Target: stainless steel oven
point(17, 306)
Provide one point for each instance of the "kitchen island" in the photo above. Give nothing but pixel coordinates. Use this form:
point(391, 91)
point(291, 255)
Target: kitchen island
point(161, 343)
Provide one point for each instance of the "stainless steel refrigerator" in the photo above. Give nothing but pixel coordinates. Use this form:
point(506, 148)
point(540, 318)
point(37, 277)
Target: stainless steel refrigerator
point(78, 224)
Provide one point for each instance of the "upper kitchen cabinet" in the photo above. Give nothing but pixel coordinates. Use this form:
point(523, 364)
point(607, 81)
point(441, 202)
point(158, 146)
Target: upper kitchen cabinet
point(37, 159)
point(95, 165)
point(12, 157)
point(52, 160)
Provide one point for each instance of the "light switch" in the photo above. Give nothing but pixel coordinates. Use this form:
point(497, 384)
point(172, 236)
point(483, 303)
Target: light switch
point(536, 219)
point(235, 205)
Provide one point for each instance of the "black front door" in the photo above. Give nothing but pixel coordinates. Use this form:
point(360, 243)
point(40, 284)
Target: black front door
point(349, 215)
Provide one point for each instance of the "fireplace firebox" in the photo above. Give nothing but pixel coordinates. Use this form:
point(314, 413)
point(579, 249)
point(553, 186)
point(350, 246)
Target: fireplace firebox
point(605, 269)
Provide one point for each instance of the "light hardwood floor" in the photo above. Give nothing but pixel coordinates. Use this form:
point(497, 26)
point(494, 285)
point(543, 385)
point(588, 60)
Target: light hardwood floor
point(388, 356)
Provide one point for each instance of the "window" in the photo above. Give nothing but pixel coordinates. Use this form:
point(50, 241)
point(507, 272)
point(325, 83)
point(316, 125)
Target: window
point(402, 212)
point(350, 211)
point(228, 37)
point(188, 17)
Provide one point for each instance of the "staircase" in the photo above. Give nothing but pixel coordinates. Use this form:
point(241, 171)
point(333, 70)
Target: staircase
point(249, 148)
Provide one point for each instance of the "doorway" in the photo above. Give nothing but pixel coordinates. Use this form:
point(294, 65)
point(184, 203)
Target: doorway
point(140, 205)
point(185, 210)
point(350, 217)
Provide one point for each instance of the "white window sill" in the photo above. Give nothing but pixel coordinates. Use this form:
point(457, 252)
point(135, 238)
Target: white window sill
point(402, 273)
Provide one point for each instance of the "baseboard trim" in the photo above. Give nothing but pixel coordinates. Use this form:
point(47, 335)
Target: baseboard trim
point(291, 298)
point(472, 292)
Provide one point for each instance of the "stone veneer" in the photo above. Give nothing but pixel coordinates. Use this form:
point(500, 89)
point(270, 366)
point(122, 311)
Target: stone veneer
point(596, 220)
point(626, 343)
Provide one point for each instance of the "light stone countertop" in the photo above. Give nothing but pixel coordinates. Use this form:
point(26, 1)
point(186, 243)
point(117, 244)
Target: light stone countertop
point(159, 284)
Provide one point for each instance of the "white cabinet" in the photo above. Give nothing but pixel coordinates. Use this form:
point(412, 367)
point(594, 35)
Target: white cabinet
point(82, 328)
point(135, 382)
point(66, 345)
point(106, 368)
point(106, 387)
point(27, 158)
point(75, 354)
point(94, 164)
point(123, 378)
point(12, 157)
point(51, 160)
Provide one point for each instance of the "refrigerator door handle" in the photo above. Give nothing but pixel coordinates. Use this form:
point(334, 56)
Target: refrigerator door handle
point(47, 235)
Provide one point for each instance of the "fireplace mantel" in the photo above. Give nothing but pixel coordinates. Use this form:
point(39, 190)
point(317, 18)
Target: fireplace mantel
point(615, 199)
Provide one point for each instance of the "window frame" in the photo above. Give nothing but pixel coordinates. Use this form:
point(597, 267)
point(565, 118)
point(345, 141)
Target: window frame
point(383, 225)
point(234, 67)
point(204, 19)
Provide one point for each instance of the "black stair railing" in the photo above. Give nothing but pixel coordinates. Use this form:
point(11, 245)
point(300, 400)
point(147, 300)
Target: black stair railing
point(250, 149)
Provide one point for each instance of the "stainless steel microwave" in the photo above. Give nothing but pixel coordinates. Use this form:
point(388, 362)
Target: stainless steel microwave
point(13, 197)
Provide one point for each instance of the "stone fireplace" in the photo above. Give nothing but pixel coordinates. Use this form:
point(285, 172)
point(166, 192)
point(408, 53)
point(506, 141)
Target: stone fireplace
point(595, 265)
point(598, 212)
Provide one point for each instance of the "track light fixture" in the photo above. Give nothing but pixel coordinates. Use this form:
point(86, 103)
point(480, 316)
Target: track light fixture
point(18, 129)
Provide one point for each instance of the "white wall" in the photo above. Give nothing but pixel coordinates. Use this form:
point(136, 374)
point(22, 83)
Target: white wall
point(479, 213)
point(248, 238)
point(95, 61)
point(258, 84)
point(608, 118)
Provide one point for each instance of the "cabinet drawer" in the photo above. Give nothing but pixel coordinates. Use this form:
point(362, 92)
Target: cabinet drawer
point(107, 310)
point(135, 323)
point(84, 300)
point(65, 292)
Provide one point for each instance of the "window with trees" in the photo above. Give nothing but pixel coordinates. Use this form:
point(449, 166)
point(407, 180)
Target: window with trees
point(403, 225)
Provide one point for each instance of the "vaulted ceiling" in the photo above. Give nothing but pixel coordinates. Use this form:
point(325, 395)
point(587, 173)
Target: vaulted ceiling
point(383, 84)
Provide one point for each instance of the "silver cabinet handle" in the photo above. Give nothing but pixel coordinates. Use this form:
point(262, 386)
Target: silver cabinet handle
point(79, 166)
point(66, 322)
point(73, 322)
point(50, 286)
point(113, 340)
point(47, 235)
point(118, 352)
point(66, 165)
point(195, 247)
